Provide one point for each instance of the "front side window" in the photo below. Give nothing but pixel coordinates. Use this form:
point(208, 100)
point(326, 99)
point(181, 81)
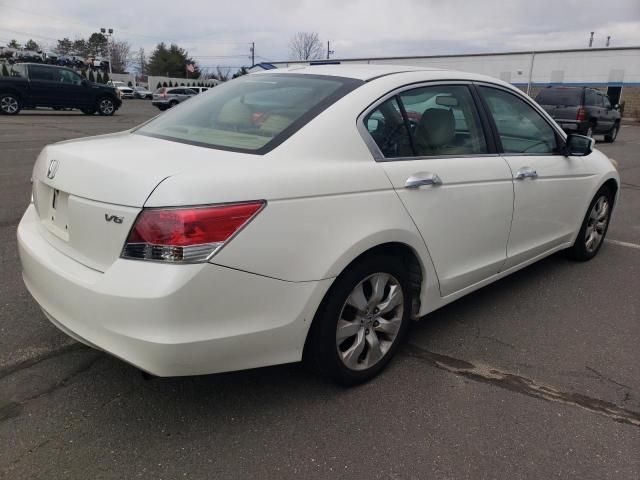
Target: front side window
point(72, 78)
point(520, 127)
point(428, 121)
point(251, 114)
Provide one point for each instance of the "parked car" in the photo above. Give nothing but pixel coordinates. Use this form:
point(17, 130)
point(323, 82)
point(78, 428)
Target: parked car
point(199, 89)
point(142, 92)
point(580, 109)
point(124, 90)
point(299, 214)
point(164, 97)
point(40, 85)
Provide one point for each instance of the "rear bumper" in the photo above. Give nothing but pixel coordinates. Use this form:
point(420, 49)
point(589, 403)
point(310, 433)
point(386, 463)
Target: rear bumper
point(170, 320)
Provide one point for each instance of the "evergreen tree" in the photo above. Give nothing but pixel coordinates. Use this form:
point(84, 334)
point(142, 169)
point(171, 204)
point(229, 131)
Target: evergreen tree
point(129, 83)
point(164, 84)
point(171, 61)
point(105, 77)
point(159, 85)
point(31, 45)
point(92, 79)
point(5, 72)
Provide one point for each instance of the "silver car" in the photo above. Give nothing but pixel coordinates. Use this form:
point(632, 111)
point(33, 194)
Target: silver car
point(164, 97)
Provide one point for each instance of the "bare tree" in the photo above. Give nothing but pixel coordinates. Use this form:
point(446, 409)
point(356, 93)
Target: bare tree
point(305, 46)
point(120, 56)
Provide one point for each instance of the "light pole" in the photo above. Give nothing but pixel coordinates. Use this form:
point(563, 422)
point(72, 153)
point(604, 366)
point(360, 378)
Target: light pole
point(108, 35)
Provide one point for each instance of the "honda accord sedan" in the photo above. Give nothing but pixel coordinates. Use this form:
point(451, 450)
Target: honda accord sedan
point(308, 213)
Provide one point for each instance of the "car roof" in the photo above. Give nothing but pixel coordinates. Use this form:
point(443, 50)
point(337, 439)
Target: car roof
point(368, 72)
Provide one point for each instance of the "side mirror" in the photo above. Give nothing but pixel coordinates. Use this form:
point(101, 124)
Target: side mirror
point(578, 145)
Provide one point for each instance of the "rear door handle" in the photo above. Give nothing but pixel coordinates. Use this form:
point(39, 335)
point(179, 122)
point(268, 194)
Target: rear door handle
point(526, 172)
point(423, 178)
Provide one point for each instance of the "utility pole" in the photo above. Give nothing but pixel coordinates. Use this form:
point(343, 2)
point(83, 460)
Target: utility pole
point(608, 40)
point(109, 35)
point(252, 49)
point(329, 51)
point(591, 40)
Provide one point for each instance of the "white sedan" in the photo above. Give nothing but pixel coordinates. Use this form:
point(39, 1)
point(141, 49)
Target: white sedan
point(304, 213)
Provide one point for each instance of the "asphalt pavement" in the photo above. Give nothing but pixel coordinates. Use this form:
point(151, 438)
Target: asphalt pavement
point(536, 376)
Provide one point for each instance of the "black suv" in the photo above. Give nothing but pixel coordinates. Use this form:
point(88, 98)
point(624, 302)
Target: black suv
point(581, 110)
point(37, 85)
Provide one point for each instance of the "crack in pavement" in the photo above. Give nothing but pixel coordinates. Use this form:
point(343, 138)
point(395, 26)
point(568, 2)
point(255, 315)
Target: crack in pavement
point(523, 385)
point(40, 356)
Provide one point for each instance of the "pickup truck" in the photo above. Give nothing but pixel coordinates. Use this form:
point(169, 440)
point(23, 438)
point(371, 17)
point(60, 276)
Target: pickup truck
point(38, 85)
point(582, 110)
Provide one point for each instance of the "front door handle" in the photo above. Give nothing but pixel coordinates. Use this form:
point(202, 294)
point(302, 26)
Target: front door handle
point(424, 178)
point(526, 172)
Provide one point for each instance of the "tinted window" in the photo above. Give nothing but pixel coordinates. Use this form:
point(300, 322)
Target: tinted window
point(252, 113)
point(389, 130)
point(43, 73)
point(600, 100)
point(560, 96)
point(591, 98)
point(188, 91)
point(521, 128)
point(443, 121)
point(607, 103)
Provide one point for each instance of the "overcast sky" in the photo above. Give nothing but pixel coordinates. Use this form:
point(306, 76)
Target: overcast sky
point(219, 32)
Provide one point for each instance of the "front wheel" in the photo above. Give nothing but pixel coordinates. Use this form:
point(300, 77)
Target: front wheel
point(594, 226)
point(361, 321)
point(106, 106)
point(9, 104)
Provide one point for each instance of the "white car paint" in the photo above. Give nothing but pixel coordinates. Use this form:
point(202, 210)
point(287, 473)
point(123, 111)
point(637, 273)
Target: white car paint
point(328, 201)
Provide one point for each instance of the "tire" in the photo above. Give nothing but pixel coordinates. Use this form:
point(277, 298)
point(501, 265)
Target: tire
point(106, 106)
point(88, 111)
point(173, 103)
point(347, 327)
point(613, 133)
point(9, 104)
point(589, 131)
point(594, 227)
point(162, 108)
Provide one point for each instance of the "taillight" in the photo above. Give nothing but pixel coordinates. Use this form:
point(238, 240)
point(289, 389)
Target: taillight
point(582, 115)
point(186, 235)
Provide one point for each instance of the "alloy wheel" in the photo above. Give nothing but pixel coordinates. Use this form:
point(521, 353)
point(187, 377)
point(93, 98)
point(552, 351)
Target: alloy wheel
point(597, 224)
point(9, 104)
point(370, 321)
point(106, 106)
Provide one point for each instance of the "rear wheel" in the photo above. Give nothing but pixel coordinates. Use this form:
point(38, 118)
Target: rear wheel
point(106, 106)
point(613, 133)
point(172, 104)
point(594, 226)
point(361, 321)
point(9, 104)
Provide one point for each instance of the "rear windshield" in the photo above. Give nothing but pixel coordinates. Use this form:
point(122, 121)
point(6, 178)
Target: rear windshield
point(559, 97)
point(250, 114)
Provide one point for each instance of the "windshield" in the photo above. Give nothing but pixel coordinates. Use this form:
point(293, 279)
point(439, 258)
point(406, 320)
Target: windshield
point(250, 114)
point(560, 97)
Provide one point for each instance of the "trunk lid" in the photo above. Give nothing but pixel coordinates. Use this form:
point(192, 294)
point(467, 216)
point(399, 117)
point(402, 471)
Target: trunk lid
point(99, 186)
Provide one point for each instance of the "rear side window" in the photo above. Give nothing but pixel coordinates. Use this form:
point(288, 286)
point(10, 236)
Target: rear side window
point(250, 114)
point(520, 127)
point(591, 98)
point(43, 73)
point(430, 121)
point(557, 96)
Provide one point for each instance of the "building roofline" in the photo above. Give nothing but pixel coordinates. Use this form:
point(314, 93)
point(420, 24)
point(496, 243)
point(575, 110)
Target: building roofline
point(462, 55)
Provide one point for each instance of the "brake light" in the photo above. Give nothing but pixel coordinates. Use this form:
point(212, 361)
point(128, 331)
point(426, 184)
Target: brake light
point(582, 114)
point(186, 235)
